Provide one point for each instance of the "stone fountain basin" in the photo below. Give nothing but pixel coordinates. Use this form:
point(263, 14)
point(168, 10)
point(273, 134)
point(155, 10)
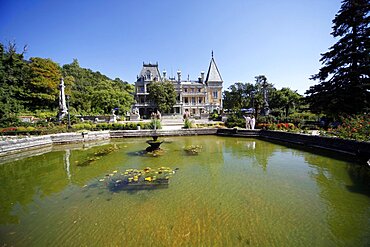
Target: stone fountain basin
point(154, 143)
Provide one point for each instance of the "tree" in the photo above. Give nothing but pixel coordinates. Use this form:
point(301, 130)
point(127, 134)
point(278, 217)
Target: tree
point(259, 87)
point(92, 92)
point(247, 95)
point(163, 94)
point(285, 99)
point(109, 95)
point(238, 96)
point(344, 78)
point(43, 86)
point(14, 74)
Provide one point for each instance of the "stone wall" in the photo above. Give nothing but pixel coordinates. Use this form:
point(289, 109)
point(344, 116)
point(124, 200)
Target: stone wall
point(20, 144)
point(356, 148)
point(361, 150)
point(238, 132)
point(79, 137)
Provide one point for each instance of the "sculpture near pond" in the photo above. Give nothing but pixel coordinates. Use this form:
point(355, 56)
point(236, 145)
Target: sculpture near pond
point(155, 143)
point(63, 110)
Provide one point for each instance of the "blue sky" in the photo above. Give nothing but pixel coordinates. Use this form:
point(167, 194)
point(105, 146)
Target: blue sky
point(280, 39)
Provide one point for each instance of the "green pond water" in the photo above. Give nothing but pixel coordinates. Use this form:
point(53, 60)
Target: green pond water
point(235, 192)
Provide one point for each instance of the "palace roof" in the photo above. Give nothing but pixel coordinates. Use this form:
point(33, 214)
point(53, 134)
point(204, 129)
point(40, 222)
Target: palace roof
point(213, 74)
point(152, 70)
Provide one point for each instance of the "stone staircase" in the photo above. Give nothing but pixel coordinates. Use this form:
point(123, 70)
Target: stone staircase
point(172, 122)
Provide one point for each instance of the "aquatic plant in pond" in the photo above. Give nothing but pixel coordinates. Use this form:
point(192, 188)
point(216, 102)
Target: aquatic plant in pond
point(97, 155)
point(193, 149)
point(136, 179)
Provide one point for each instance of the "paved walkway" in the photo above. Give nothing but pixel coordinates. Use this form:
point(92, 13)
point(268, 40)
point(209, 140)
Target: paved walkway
point(178, 123)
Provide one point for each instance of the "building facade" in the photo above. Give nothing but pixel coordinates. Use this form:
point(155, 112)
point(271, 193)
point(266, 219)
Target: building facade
point(198, 97)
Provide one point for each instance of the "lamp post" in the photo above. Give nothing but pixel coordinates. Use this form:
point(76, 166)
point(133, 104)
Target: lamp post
point(69, 117)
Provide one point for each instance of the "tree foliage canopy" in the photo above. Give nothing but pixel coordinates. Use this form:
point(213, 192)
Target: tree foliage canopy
point(92, 92)
point(32, 85)
point(163, 94)
point(43, 85)
point(344, 78)
point(247, 95)
point(14, 73)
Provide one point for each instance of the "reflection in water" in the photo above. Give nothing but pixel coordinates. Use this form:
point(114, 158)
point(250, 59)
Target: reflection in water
point(333, 178)
point(250, 145)
point(219, 197)
point(260, 152)
point(67, 164)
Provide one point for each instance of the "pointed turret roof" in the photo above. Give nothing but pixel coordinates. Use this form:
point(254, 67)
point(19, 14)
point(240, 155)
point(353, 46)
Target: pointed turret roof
point(213, 74)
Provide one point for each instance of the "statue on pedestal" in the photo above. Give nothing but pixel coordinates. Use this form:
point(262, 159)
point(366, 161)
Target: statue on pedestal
point(63, 110)
point(113, 118)
point(135, 115)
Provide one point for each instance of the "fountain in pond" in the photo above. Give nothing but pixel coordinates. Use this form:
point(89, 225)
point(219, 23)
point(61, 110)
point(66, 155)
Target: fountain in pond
point(154, 145)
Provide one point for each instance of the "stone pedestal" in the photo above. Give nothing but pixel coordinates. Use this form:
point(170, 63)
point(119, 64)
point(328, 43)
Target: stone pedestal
point(113, 119)
point(134, 117)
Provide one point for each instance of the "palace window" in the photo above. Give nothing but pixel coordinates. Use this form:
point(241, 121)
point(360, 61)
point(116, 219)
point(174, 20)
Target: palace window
point(186, 100)
point(148, 75)
point(193, 100)
point(215, 94)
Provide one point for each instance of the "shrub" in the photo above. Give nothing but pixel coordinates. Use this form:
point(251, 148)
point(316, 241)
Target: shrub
point(102, 126)
point(116, 126)
point(45, 114)
point(235, 121)
point(81, 126)
point(188, 124)
point(130, 126)
point(266, 119)
point(355, 127)
point(144, 125)
point(157, 123)
point(30, 128)
point(263, 126)
point(21, 129)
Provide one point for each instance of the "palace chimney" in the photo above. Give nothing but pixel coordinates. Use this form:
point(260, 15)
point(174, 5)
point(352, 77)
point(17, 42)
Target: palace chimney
point(202, 76)
point(178, 76)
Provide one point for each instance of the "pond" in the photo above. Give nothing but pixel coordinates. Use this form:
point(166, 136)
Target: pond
point(231, 192)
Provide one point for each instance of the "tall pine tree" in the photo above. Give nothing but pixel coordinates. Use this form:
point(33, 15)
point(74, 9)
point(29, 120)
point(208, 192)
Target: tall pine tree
point(344, 78)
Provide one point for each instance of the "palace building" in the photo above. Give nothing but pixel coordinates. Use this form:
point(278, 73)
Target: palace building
point(198, 97)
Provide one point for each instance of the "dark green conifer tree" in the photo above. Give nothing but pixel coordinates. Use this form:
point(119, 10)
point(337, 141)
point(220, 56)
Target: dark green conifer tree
point(344, 78)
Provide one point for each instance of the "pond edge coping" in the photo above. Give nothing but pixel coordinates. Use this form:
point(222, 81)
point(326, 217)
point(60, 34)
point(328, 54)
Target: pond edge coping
point(359, 149)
